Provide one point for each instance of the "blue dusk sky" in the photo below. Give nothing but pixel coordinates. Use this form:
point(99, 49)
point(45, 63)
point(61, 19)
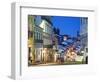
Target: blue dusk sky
point(67, 25)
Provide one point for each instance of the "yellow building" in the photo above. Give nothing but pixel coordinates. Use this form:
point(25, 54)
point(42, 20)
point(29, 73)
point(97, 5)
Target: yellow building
point(30, 40)
point(35, 39)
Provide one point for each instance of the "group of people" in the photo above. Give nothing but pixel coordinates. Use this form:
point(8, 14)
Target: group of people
point(69, 55)
point(50, 56)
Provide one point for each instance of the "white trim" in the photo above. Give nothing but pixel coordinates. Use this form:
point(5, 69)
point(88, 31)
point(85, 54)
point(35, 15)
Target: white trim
point(17, 33)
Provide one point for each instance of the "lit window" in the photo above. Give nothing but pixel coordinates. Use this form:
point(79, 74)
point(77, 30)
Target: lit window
point(35, 35)
point(38, 36)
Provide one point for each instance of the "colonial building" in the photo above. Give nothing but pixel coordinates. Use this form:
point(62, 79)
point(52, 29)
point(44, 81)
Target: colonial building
point(38, 39)
point(31, 46)
point(84, 38)
point(35, 38)
point(84, 32)
point(46, 25)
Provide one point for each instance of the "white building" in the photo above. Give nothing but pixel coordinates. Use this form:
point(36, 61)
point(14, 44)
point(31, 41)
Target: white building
point(84, 37)
point(47, 31)
point(46, 25)
point(84, 31)
point(38, 34)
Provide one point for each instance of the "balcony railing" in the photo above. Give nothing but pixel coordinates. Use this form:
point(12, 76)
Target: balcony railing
point(38, 41)
point(48, 46)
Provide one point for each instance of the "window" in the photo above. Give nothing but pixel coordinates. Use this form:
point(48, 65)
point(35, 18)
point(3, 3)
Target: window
point(35, 35)
point(41, 36)
point(38, 36)
point(30, 34)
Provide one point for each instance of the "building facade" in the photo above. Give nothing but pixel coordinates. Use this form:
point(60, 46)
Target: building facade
point(31, 46)
point(46, 25)
point(35, 39)
point(84, 38)
point(84, 32)
point(38, 39)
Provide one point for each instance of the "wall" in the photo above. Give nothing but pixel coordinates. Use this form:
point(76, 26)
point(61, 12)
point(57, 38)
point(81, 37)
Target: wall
point(5, 40)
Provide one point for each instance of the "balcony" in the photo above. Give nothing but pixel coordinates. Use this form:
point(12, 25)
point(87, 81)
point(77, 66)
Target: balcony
point(48, 46)
point(38, 41)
